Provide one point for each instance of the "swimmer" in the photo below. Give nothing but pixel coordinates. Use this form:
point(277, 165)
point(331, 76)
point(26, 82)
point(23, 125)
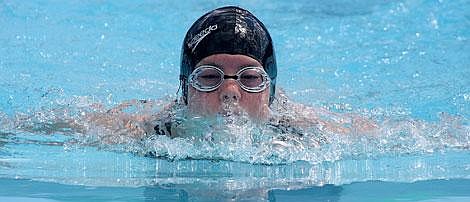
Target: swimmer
point(228, 68)
point(228, 63)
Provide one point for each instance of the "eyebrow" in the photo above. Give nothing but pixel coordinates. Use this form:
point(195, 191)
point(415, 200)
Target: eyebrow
point(221, 66)
point(212, 63)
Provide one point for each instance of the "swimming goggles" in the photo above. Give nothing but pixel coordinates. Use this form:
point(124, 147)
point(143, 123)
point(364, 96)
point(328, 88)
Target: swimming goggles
point(208, 78)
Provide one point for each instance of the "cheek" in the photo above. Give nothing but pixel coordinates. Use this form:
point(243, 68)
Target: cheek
point(257, 105)
point(201, 101)
point(259, 98)
point(255, 101)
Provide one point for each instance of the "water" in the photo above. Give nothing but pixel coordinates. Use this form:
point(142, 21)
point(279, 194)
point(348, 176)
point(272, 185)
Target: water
point(402, 64)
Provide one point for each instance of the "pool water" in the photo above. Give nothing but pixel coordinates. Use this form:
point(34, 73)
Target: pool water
point(404, 64)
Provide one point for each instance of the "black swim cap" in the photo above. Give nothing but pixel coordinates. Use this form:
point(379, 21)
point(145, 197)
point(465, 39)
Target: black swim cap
point(230, 30)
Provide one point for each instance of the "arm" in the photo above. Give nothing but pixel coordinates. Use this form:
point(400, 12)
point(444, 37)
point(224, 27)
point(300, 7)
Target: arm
point(347, 123)
point(306, 117)
point(134, 119)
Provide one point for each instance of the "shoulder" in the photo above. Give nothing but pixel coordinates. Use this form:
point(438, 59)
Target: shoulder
point(165, 122)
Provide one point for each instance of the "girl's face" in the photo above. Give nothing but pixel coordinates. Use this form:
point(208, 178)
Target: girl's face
point(229, 97)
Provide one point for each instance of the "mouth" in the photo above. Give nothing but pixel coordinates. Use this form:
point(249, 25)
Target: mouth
point(230, 109)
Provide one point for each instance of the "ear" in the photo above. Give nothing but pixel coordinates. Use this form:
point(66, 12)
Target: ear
point(184, 87)
point(272, 91)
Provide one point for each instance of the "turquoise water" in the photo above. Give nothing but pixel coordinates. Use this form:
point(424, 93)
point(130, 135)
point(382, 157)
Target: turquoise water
point(438, 190)
point(404, 64)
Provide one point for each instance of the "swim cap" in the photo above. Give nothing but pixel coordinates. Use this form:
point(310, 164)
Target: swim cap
point(230, 30)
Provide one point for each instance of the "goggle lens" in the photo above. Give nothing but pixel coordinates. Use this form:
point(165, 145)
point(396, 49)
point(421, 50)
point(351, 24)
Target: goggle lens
point(208, 78)
point(251, 78)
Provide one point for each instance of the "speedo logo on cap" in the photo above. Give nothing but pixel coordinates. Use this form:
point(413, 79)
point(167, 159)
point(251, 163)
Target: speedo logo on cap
point(200, 36)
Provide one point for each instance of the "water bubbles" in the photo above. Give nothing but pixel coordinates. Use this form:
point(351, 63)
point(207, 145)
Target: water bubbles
point(386, 60)
point(109, 98)
point(42, 54)
point(466, 96)
point(83, 101)
point(433, 21)
point(334, 136)
point(461, 38)
point(338, 72)
point(434, 24)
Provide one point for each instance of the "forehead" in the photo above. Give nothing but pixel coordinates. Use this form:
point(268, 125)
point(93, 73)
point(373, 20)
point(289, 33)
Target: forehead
point(228, 61)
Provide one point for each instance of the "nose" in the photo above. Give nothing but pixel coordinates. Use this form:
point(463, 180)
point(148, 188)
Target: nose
point(229, 92)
